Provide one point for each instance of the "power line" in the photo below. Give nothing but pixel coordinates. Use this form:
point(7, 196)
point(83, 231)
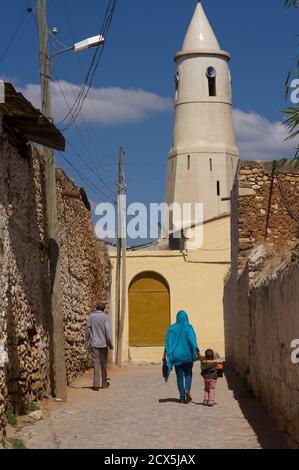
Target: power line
point(89, 183)
point(89, 167)
point(111, 195)
point(92, 145)
point(93, 169)
point(15, 34)
point(72, 36)
point(90, 140)
point(78, 104)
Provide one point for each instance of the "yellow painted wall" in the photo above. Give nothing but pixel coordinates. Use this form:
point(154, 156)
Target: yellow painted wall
point(196, 281)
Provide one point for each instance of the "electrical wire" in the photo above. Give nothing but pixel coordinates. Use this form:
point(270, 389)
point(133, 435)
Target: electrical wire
point(91, 168)
point(87, 181)
point(78, 57)
point(89, 138)
point(72, 37)
point(76, 109)
point(69, 119)
point(15, 34)
point(104, 33)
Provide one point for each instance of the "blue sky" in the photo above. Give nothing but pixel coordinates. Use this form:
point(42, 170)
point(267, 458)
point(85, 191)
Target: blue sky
point(133, 86)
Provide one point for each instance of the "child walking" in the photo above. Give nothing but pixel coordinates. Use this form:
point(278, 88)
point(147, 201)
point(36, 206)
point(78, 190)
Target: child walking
point(209, 372)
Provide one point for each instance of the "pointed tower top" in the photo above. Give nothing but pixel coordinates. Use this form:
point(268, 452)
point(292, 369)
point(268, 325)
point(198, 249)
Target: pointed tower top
point(200, 34)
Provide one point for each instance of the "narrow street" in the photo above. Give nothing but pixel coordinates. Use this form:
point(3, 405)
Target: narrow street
point(140, 411)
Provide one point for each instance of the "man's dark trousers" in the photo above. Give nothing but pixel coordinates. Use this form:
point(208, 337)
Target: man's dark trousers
point(99, 357)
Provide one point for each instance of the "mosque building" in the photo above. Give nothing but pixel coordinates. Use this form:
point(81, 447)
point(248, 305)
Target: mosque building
point(180, 271)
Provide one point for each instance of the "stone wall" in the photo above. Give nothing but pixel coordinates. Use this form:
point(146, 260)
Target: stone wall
point(3, 320)
point(268, 206)
point(261, 293)
point(85, 274)
point(24, 273)
point(262, 326)
point(26, 278)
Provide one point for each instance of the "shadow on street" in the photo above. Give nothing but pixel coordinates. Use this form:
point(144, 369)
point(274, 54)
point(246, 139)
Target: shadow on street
point(255, 413)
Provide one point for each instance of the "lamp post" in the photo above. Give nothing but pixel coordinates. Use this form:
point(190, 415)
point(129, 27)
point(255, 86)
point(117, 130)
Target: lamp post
point(57, 352)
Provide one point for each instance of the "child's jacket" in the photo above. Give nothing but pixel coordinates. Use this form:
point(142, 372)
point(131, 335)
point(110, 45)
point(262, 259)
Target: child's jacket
point(208, 370)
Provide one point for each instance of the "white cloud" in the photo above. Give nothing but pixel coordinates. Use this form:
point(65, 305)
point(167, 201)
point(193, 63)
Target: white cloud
point(260, 139)
point(14, 80)
point(104, 106)
point(257, 137)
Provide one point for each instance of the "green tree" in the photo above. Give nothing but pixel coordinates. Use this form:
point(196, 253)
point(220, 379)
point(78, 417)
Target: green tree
point(292, 112)
point(292, 3)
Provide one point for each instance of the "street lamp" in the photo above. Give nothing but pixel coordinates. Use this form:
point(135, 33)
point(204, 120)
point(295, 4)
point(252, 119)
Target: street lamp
point(88, 43)
point(95, 41)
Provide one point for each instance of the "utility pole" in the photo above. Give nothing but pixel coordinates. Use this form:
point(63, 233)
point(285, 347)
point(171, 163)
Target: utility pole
point(121, 288)
point(59, 387)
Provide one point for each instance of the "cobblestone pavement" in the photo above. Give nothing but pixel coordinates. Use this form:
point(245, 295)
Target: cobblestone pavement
point(140, 411)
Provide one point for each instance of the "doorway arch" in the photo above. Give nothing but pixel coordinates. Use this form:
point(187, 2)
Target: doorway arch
point(149, 310)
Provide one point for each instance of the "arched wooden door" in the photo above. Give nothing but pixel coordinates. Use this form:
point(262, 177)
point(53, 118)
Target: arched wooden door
point(149, 310)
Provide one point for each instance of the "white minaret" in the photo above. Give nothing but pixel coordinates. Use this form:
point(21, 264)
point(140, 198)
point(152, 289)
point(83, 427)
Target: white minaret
point(204, 156)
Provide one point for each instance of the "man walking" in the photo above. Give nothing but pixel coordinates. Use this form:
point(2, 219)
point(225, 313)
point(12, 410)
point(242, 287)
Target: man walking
point(98, 340)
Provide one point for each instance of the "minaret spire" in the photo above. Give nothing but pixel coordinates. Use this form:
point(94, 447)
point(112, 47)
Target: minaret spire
point(200, 34)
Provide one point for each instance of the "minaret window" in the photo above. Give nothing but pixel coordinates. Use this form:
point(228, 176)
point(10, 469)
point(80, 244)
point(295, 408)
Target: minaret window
point(188, 162)
point(211, 76)
point(211, 164)
point(177, 82)
point(218, 188)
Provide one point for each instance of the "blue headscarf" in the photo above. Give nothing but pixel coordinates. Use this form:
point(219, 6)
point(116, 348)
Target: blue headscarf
point(181, 342)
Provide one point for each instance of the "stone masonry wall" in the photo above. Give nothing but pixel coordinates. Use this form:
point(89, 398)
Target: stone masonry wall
point(262, 328)
point(85, 276)
point(24, 274)
point(24, 281)
point(3, 321)
point(261, 293)
point(268, 211)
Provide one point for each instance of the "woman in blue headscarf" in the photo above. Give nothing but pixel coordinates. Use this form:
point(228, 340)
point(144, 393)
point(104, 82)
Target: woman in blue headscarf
point(181, 351)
